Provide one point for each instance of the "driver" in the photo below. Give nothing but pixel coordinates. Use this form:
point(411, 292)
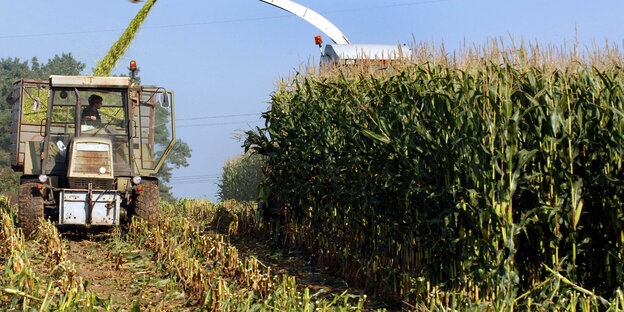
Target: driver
point(90, 115)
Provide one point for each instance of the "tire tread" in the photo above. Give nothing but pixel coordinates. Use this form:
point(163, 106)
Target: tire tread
point(30, 208)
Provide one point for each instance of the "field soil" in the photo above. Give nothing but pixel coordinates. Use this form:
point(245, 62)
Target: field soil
point(127, 275)
point(117, 272)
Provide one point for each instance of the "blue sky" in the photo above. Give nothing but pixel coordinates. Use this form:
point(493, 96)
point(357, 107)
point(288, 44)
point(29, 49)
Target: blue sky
point(223, 58)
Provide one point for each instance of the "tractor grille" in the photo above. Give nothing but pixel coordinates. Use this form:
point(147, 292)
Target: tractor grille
point(90, 162)
point(82, 183)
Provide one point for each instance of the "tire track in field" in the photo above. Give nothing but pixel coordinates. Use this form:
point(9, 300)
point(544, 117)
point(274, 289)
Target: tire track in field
point(118, 272)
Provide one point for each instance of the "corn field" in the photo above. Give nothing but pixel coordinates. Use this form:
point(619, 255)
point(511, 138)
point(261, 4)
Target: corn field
point(490, 179)
point(240, 178)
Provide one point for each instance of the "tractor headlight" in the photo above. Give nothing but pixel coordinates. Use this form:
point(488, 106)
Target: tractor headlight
point(43, 178)
point(136, 180)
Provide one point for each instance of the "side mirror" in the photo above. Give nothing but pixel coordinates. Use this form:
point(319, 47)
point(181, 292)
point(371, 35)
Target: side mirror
point(165, 100)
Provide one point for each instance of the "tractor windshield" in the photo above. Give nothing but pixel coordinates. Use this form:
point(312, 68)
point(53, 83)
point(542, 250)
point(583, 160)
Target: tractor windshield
point(103, 113)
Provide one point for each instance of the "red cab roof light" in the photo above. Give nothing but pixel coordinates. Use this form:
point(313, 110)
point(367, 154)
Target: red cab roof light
point(318, 40)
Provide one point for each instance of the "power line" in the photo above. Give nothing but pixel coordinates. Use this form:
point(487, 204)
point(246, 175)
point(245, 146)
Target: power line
point(215, 117)
point(219, 124)
point(250, 19)
point(196, 182)
point(198, 177)
point(386, 6)
point(240, 20)
point(195, 179)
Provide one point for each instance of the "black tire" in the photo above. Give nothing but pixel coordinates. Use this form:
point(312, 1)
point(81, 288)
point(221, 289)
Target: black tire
point(146, 203)
point(30, 208)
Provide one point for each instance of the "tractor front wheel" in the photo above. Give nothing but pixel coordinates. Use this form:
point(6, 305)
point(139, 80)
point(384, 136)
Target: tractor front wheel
point(30, 208)
point(146, 203)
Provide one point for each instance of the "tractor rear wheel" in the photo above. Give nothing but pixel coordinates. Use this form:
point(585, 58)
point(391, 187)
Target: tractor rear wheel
point(146, 203)
point(30, 208)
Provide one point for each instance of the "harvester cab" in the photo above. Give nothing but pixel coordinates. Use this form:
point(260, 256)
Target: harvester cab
point(89, 149)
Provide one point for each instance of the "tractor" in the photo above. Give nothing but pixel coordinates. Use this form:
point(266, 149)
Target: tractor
point(89, 149)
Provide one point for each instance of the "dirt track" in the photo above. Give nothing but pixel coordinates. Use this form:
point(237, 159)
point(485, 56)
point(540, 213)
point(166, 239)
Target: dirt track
point(119, 271)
